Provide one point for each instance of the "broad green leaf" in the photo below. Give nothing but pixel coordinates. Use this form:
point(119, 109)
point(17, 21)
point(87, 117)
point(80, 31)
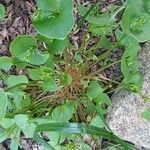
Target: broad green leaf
point(49, 5)
point(90, 107)
point(46, 77)
point(133, 81)
point(16, 81)
point(126, 40)
point(42, 73)
point(18, 96)
point(66, 79)
point(63, 113)
point(2, 12)
point(54, 19)
point(146, 114)
point(97, 122)
point(39, 58)
point(136, 24)
point(18, 63)
point(57, 46)
point(76, 128)
point(101, 102)
point(7, 122)
point(21, 121)
point(5, 134)
point(3, 103)
point(24, 47)
point(43, 120)
point(50, 85)
point(26, 101)
point(94, 89)
point(137, 4)
point(55, 138)
point(5, 63)
point(129, 61)
point(29, 130)
point(146, 6)
point(15, 140)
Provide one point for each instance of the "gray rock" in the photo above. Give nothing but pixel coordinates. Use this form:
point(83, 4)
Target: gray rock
point(124, 116)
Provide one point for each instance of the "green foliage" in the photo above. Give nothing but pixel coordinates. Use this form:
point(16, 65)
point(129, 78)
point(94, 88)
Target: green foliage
point(45, 76)
point(54, 19)
point(76, 128)
point(63, 113)
point(57, 87)
point(94, 90)
point(100, 24)
point(25, 48)
point(146, 114)
point(97, 122)
point(4, 102)
point(6, 63)
point(136, 24)
point(2, 12)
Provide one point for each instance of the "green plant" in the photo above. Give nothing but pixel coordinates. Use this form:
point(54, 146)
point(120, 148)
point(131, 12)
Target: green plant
point(2, 12)
point(56, 86)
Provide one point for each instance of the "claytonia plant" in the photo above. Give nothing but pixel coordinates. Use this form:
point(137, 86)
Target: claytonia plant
point(58, 89)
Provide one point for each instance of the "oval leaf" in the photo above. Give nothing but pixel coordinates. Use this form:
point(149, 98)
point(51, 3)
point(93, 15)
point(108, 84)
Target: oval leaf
point(25, 48)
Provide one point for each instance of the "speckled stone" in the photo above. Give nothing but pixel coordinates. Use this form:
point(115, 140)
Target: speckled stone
point(124, 116)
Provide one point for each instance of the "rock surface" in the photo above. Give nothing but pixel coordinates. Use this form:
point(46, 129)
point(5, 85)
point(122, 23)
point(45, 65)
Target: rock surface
point(124, 116)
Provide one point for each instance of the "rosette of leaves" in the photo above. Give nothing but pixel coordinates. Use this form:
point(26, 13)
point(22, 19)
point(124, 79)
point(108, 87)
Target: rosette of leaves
point(54, 19)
